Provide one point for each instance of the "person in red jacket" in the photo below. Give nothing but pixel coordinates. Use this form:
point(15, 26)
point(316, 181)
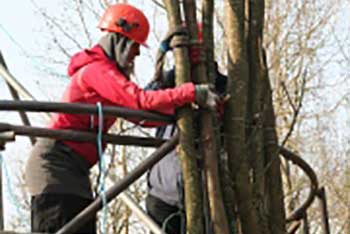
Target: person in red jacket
point(57, 171)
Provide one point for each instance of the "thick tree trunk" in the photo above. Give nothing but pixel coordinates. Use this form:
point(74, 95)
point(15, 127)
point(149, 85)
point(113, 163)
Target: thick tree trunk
point(274, 186)
point(255, 16)
point(235, 114)
point(265, 161)
point(208, 145)
point(187, 152)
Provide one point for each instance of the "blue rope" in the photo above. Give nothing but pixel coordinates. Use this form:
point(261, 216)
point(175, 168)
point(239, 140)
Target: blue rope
point(103, 170)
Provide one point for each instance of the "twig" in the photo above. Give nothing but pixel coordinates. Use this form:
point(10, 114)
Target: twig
point(288, 96)
point(159, 4)
point(296, 110)
point(55, 24)
point(82, 19)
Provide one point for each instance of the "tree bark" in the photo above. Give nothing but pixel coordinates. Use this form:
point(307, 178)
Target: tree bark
point(208, 146)
point(274, 187)
point(255, 16)
point(187, 152)
point(235, 114)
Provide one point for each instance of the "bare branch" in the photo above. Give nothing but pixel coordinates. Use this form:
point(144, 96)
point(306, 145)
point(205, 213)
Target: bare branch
point(82, 20)
point(288, 96)
point(296, 110)
point(53, 22)
point(159, 4)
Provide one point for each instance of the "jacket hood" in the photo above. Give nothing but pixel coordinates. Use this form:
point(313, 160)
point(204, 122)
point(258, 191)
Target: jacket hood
point(85, 57)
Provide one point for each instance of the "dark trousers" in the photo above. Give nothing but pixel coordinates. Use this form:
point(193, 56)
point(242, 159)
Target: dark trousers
point(160, 211)
point(50, 212)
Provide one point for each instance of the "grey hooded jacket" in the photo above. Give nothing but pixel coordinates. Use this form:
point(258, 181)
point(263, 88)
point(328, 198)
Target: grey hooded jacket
point(165, 178)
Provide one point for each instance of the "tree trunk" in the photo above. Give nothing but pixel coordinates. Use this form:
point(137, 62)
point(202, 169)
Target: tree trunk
point(255, 16)
point(208, 146)
point(274, 187)
point(187, 152)
point(235, 114)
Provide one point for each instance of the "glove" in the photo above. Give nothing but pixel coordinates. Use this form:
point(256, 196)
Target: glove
point(165, 46)
point(205, 97)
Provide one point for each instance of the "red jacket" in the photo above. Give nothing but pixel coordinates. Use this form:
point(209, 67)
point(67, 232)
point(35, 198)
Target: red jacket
point(95, 78)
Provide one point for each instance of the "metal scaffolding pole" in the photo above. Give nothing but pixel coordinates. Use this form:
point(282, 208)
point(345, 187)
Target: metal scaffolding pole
point(74, 135)
point(89, 212)
point(298, 213)
point(10, 79)
point(141, 214)
point(15, 96)
point(306, 228)
point(79, 108)
point(323, 206)
point(137, 210)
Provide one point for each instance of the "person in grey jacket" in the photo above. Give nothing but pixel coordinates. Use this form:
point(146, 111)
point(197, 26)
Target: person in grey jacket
point(164, 202)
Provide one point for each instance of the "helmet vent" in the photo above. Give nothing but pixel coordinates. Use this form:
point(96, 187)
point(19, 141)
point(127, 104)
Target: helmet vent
point(126, 27)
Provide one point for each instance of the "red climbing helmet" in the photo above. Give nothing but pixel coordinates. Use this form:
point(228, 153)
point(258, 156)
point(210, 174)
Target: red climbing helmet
point(126, 20)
